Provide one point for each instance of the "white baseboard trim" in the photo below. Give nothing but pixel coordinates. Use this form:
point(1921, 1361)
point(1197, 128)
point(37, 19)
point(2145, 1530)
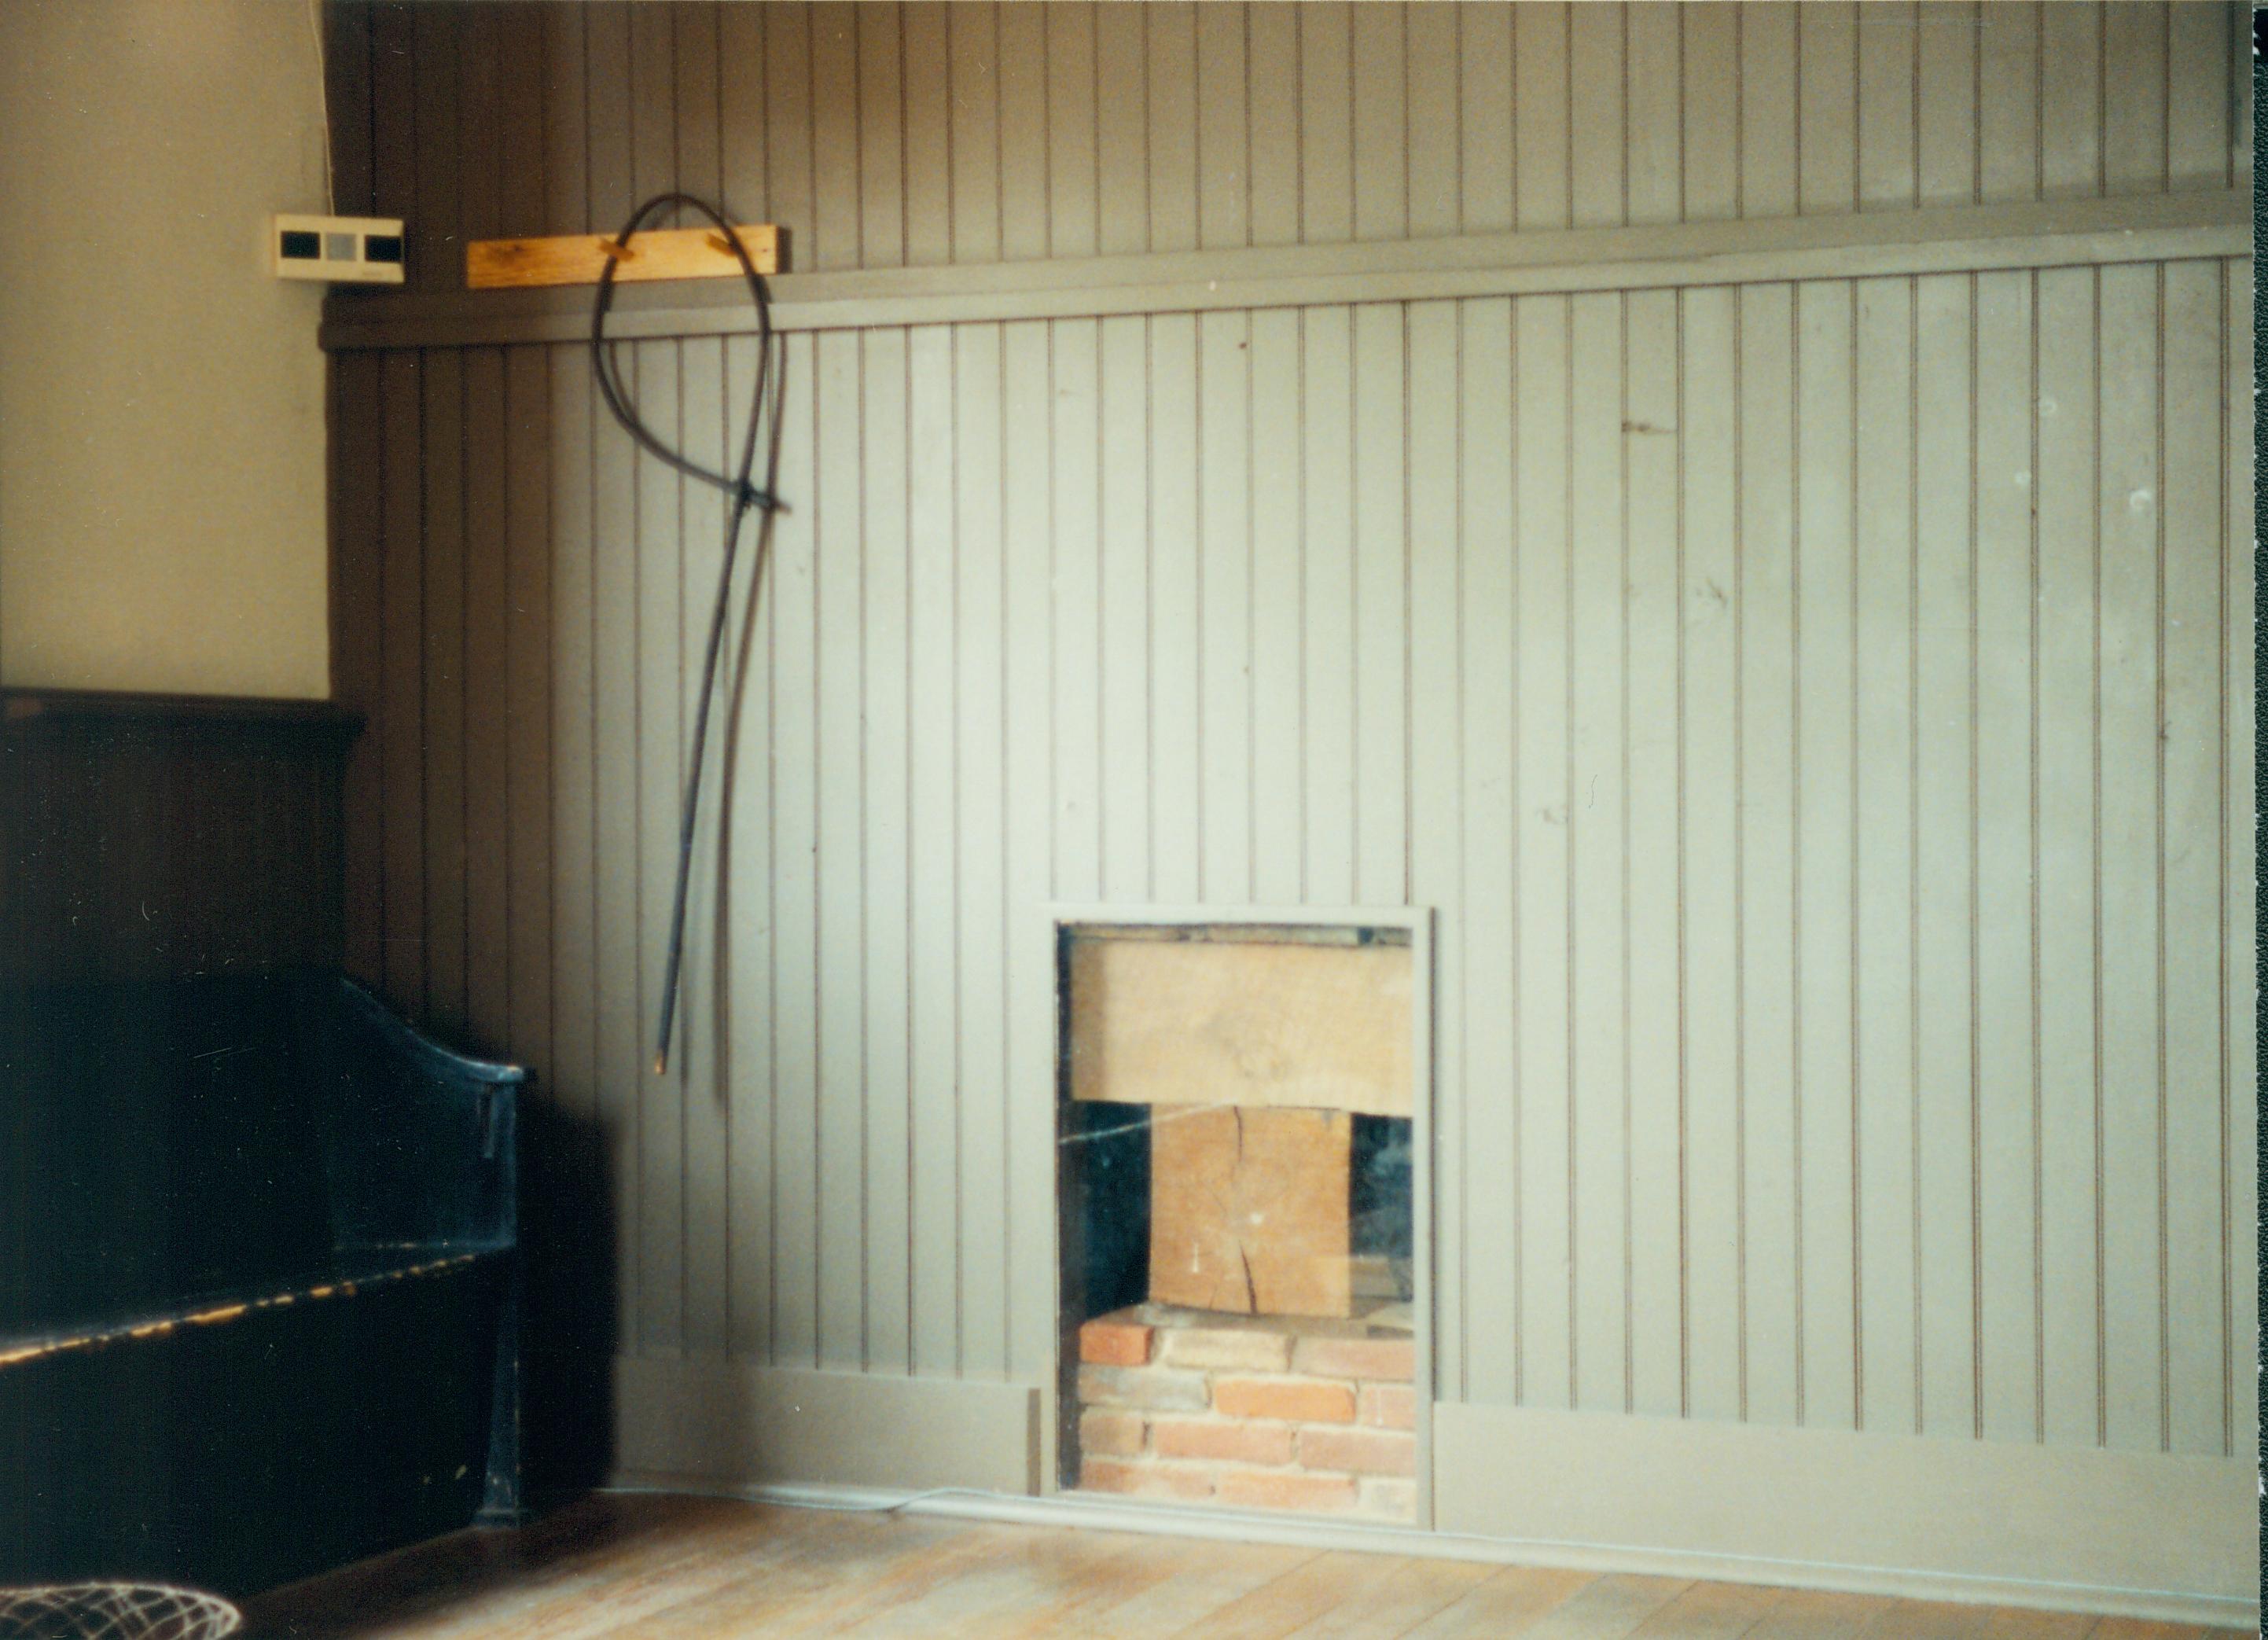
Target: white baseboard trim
point(712, 1420)
point(1191, 1520)
point(2145, 1534)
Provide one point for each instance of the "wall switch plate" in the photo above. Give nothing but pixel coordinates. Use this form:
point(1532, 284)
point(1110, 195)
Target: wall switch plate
point(340, 250)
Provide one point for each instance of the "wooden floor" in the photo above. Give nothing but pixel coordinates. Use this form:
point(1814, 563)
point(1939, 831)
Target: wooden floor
point(623, 1565)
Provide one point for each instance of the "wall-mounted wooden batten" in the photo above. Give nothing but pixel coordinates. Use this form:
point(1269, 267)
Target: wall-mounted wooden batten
point(1964, 239)
point(580, 258)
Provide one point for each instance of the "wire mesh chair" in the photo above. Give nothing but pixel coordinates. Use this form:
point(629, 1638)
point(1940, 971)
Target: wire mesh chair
point(115, 1611)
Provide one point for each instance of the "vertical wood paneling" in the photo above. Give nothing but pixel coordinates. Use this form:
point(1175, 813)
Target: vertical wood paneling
point(1279, 597)
point(2007, 952)
point(1598, 965)
point(1327, 653)
point(1809, 710)
point(1826, 887)
point(1027, 452)
point(980, 778)
point(884, 818)
point(2239, 1023)
point(1946, 638)
point(1175, 661)
point(441, 574)
point(794, 1245)
point(933, 1178)
point(1437, 605)
point(1715, 1090)
point(1653, 1004)
point(2129, 775)
point(839, 703)
point(2191, 845)
point(1886, 1092)
point(1541, 855)
point(1766, 790)
point(1489, 810)
point(2067, 832)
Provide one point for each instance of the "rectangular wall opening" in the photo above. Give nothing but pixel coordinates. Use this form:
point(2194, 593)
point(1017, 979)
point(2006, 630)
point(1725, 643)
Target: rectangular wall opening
point(1239, 1283)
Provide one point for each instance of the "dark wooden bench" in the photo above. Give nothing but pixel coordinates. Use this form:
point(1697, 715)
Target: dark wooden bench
point(257, 1281)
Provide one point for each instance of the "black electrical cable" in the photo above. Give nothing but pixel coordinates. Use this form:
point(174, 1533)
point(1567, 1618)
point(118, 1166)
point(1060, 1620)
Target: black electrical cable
point(744, 495)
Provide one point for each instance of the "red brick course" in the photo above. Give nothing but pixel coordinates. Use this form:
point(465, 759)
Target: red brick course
point(1110, 1342)
point(1394, 1359)
point(1388, 1407)
point(1225, 1439)
point(1262, 1488)
point(1293, 1400)
point(1362, 1452)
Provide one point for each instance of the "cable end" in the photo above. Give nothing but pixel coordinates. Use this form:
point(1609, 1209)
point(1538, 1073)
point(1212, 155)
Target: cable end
point(661, 1065)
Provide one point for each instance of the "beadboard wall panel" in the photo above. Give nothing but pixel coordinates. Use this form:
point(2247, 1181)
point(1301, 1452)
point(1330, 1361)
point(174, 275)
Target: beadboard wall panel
point(1766, 684)
point(1817, 707)
point(883, 136)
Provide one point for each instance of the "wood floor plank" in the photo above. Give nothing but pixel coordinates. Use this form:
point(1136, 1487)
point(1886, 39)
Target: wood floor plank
point(1711, 1611)
point(1512, 1601)
point(1393, 1604)
point(1608, 1608)
point(2009, 1622)
point(610, 1567)
point(1216, 1575)
point(1283, 1605)
point(1820, 1614)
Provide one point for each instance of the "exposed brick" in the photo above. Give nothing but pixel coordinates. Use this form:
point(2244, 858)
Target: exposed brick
point(1223, 1346)
point(1263, 1489)
point(1394, 1500)
point(1144, 1480)
point(1393, 1359)
point(1386, 1407)
point(1300, 1400)
point(1110, 1434)
point(1362, 1452)
point(1109, 1342)
point(1223, 1438)
point(1149, 1388)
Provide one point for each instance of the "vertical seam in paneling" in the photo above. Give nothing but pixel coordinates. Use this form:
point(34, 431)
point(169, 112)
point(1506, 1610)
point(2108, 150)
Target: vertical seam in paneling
point(1008, 940)
point(1740, 213)
point(1858, 1079)
point(1740, 869)
point(1464, 1010)
point(1795, 828)
point(1245, 17)
point(1410, 670)
point(1149, 578)
point(1512, 920)
point(1685, 1202)
point(1354, 600)
point(2032, 755)
point(1300, 537)
point(2095, 732)
point(1251, 627)
point(1913, 817)
point(952, 810)
point(1457, 40)
point(1623, 595)
point(905, 172)
point(866, 897)
point(906, 774)
point(1567, 809)
point(2158, 809)
point(1976, 877)
point(2220, 816)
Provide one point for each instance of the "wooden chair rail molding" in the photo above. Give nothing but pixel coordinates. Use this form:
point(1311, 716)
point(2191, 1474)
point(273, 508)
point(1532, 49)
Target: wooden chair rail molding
point(1874, 244)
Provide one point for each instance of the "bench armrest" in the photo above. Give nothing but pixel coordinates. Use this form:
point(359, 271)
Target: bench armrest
point(419, 1142)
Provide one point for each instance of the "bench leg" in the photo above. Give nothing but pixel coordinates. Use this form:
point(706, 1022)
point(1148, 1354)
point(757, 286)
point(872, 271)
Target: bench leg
point(501, 1504)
